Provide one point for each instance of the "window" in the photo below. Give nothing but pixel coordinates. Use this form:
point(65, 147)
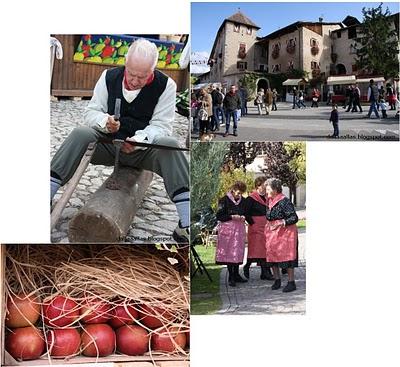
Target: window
point(236, 27)
point(290, 65)
point(262, 67)
point(241, 65)
point(339, 34)
point(352, 32)
point(263, 52)
point(292, 42)
point(248, 30)
point(314, 65)
point(353, 49)
point(242, 51)
point(276, 68)
point(313, 42)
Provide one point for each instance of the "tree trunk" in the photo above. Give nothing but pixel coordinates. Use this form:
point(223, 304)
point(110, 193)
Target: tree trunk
point(108, 214)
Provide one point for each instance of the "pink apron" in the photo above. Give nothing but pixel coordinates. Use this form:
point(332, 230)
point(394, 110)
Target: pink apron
point(255, 233)
point(231, 240)
point(281, 242)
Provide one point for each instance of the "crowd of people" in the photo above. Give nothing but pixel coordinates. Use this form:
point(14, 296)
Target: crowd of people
point(272, 236)
point(210, 108)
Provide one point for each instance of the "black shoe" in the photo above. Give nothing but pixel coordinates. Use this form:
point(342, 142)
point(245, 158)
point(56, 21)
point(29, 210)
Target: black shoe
point(276, 285)
point(235, 133)
point(225, 135)
point(290, 287)
point(232, 283)
point(246, 271)
point(239, 279)
point(266, 274)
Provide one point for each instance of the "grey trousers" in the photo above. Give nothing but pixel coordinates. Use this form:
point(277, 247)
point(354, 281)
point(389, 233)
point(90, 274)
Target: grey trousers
point(171, 165)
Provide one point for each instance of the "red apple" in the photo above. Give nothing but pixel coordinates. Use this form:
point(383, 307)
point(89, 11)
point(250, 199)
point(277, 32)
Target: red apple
point(97, 340)
point(60, 312)
point(123, 315)
point(132, 340)
point(63, 342)
point(22, 310)
point(165, 340)
point(153, 317)
point(95, 311)
point(25, 343)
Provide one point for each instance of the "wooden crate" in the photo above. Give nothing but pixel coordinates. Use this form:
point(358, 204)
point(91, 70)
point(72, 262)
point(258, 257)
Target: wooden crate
point(75, 79)
point(114, 360)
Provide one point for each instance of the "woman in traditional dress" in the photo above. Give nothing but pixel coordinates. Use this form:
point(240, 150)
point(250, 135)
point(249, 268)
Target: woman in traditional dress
point(232, 232)
point(281, 234)
point(255, 216)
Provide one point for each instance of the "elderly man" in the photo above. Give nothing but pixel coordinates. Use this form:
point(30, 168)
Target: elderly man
point(147, 112)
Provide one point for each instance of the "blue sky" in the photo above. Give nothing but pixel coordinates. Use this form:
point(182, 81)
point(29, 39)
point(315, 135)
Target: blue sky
point(207, 17)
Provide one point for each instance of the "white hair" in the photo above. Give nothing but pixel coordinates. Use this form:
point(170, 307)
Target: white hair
point(145, 50)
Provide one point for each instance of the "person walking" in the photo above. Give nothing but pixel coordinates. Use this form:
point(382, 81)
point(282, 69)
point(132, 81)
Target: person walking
point(243, 98)
point(330, 96)
point(255, 216)
point(334, 118)
point(373, 94)
point(231, 232)
point(294, 92)
point(232, 103)
point(300, 100)
point(281, 235)
point(217, 103)
point(351, 98)
point(391, 96)
point(356, 98)
point(383, 105)
point(205, 112)
point(274, 99)
point(268, 100)
point(194, 105)
point(315, 97)
point(259, 101)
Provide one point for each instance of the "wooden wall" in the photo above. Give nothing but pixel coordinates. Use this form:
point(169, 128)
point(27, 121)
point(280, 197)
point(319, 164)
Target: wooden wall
point(74, 79)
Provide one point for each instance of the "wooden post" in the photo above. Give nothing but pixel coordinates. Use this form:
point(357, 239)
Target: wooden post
point(70, 187)
point(108, 214)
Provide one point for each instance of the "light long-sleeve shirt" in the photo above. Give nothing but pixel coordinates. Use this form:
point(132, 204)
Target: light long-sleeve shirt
point(160, 124)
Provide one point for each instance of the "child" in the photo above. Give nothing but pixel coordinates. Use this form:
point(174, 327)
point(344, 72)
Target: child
point(383, 105)
point(335, 121)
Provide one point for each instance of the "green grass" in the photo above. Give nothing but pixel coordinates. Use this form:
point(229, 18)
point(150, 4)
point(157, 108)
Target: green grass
point(301, 224)
point(205, 298)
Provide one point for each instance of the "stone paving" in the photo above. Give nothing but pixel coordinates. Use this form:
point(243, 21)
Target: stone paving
point(310, 124)
point(256, 296)
point(156, 218)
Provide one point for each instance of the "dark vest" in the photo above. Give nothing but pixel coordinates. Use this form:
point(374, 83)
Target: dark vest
point(136, 115)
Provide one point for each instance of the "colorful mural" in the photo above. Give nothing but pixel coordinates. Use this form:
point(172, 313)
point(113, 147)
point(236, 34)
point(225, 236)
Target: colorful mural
point(111, 50)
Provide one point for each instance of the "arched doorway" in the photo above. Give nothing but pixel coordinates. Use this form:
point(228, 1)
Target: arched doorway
point(262, 83)
point(340, 69)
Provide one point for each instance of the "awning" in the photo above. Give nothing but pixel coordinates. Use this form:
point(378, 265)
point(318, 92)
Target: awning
point(376, 80)
point(344, 79)
point(293, 81)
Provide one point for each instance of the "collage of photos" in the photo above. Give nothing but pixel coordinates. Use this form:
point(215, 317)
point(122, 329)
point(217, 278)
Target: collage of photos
point(179, 176)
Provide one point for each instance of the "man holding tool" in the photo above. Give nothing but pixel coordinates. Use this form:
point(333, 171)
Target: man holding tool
point(133, 108)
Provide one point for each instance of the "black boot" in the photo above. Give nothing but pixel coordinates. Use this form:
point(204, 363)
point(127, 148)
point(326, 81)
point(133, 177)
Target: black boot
point(246, 269)
point(238, 278)
point(276, 285)
point(231, 276)
point(266, 273)
point(290, 287)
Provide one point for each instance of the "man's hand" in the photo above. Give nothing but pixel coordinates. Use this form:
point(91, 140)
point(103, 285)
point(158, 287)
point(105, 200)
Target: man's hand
point(112, 126)
point(127, 147)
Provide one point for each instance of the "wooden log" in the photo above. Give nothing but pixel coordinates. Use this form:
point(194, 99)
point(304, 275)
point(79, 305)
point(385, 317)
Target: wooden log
point(108, 214)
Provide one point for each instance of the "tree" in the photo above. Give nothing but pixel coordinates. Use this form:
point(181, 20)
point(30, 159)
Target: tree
point(207, 159)
point(286, 161)
point(378, 45)
point(242, 154)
